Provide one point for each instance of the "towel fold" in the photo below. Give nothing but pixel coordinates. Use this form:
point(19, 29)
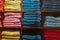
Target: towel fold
point(52, 21)
point(51, 5)
point(31, 18)
point(11, 5)
point(31, 5)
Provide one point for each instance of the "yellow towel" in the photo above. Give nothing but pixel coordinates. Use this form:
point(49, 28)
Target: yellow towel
point(10, 39)
point(10, 33)
point(12, 5)
point(17, 37)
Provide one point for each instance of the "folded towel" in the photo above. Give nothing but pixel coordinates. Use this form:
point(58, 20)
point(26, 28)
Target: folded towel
point(51, 4)
point(31, 37)
point(8, 19)
point(0, 23)
point(10, 33)
point(10, 39)
point(11, 5)
point(12, 15)
point(52, 21)
point(27, 5)
point(1, 5)
point(31, 18)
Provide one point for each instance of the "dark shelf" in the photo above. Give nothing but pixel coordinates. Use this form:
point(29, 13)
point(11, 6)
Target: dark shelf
point(25, 27)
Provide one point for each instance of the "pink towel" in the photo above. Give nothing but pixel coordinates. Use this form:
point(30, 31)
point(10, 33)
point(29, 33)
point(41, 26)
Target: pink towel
point(6, 24)
point(16, 15)
point(7, 19)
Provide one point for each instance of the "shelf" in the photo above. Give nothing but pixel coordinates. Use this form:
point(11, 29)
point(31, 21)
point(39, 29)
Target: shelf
point(25, 27)
point(12, 28)
point(33, 11)
point(49, 10)
point(51, 28)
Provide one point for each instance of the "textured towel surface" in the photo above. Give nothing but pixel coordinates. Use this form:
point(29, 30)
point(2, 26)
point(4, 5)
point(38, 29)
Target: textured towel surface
point(50, 34)
point(51, 4)
point(31, 5)
point(52, 21)
point(12, 5)
point(10, 35)
point(13, 15)
point(31, 18)
point(1, 5)
point(31, 37)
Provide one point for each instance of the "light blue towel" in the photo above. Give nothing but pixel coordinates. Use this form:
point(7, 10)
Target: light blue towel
point(52, 21)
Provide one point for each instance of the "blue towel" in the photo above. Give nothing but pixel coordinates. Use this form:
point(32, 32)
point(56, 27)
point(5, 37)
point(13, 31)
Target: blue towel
point(51, 4)
point(31, 18)
point(31, 5)
point(52, 21)
point(31, 37)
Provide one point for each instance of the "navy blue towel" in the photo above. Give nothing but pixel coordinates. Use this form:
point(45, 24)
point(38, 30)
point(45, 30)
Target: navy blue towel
point(51, 4)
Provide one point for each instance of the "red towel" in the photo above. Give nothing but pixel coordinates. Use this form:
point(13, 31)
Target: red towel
point(52, 34)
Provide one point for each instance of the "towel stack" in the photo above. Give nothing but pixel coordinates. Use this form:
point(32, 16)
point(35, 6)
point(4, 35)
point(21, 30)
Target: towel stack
point(52, 21)
point(10, 35)
point(1, 19)
point(52, 34)
point(31, 18)
point(31, 37)
point(12, 5)
point(12, 20)
point(1, 5)
point(51, 4)
point(31, 5)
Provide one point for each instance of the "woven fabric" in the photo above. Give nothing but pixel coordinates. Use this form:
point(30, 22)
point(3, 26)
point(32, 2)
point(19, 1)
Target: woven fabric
point(51, 4)
point(52, 21)
point(12, 5)
point(31, 18)
point(1, 5)
point(31, 5)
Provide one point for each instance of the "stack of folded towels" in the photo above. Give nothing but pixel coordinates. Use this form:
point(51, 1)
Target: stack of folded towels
point(52, 21)
point(31, 18)
point(1, 19)
point(51, 4)
point(1, 5)
point(52, 34)
point(12, 5)
point(31, 5)
point(10, 35)
point(12, 20)
point(31, 37)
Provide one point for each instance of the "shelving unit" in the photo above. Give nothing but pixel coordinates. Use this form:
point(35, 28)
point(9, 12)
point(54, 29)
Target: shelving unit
point(39, 29)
